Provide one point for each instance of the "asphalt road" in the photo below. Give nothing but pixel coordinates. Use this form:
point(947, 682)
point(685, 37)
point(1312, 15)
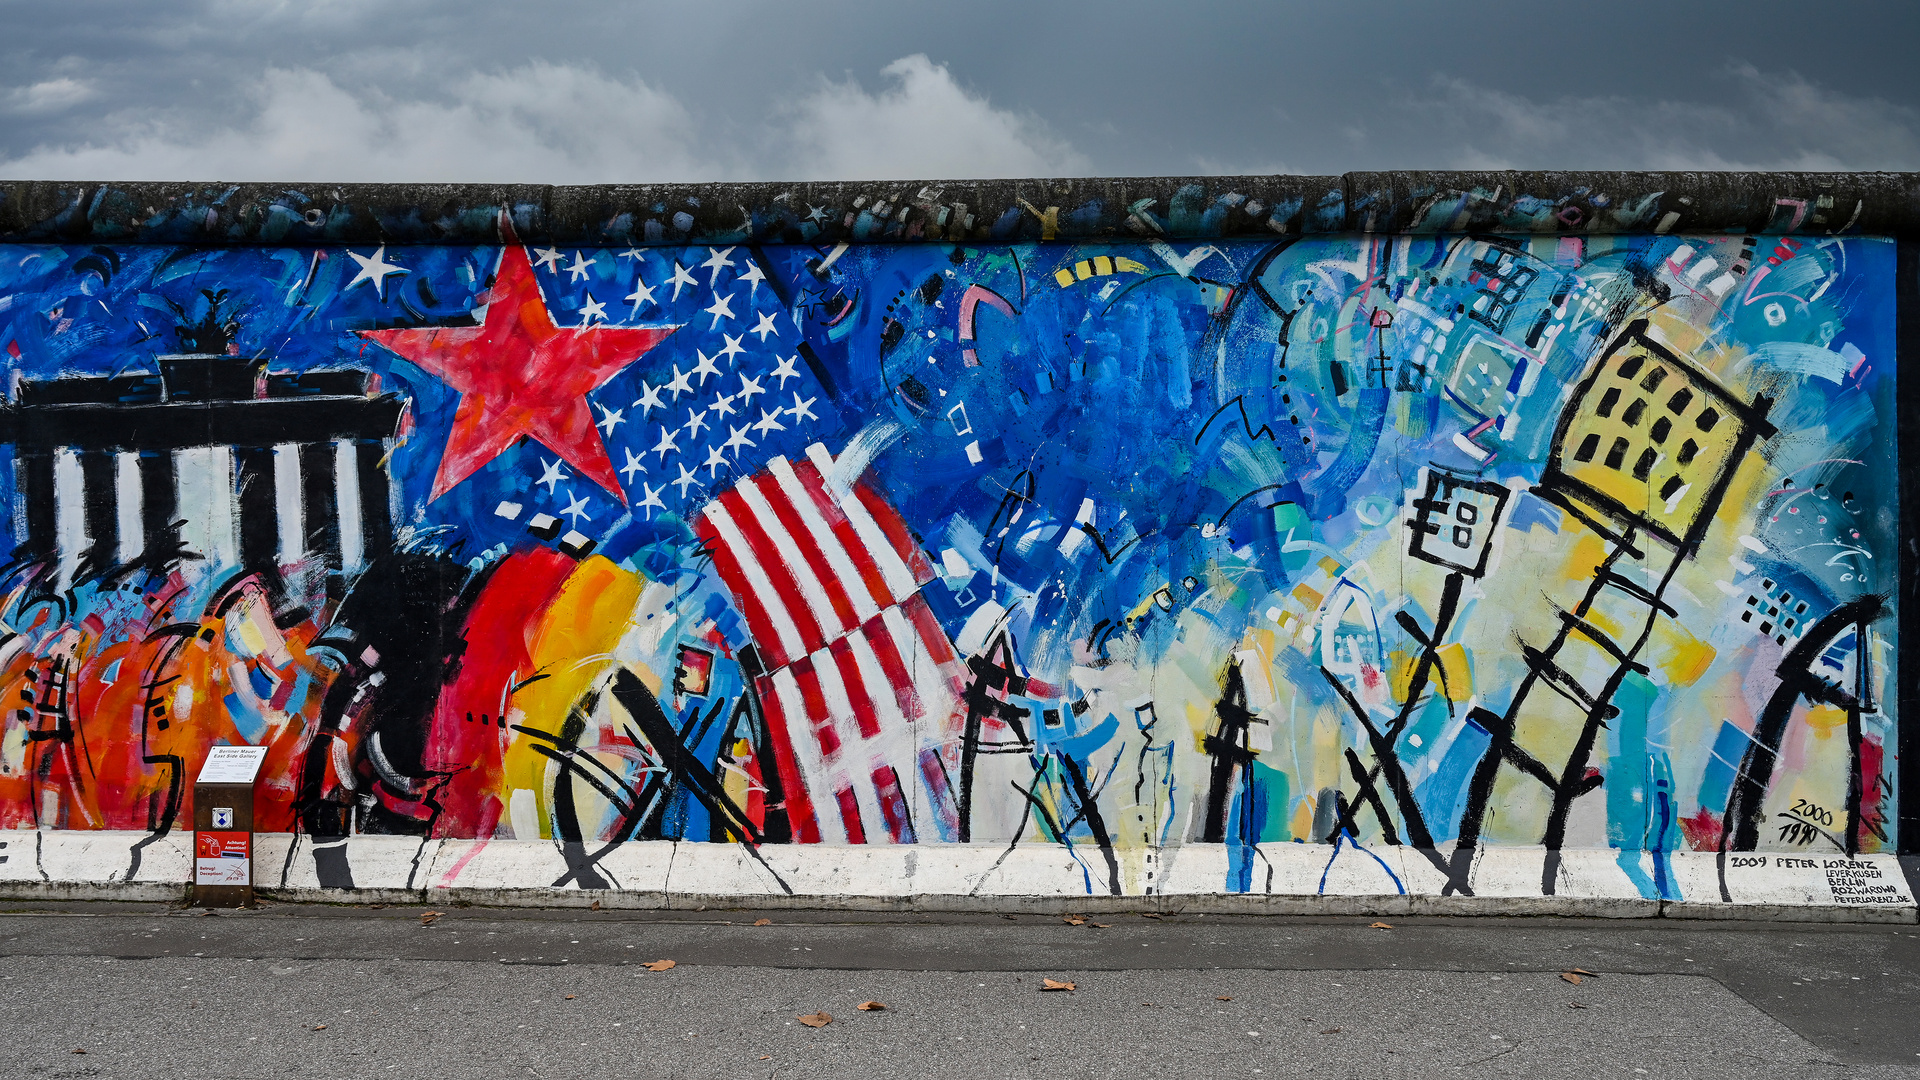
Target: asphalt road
point(343, 992)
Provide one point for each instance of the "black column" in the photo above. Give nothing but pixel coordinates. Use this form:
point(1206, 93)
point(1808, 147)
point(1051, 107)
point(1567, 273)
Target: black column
point(100, 498)
point(376, 517)
point(320, 501)
point(259, 517)
point(159, 508)
point(33, 472)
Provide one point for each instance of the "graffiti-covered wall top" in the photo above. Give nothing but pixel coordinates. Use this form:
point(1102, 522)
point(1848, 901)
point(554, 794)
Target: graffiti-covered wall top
point(1437, 541)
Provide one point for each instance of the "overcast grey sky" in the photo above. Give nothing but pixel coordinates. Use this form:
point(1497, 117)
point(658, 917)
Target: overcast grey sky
point(491, 90)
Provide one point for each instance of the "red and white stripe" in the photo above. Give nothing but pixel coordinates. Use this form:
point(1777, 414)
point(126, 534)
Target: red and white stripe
point(861, 680)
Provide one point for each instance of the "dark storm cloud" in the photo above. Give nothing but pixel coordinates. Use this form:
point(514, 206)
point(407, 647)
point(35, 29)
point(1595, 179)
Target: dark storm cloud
point(570, 93)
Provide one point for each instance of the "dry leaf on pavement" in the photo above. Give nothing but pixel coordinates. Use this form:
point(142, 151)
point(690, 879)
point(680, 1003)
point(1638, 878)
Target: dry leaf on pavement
point(872, 1006)
point(427, 917)
point(1575, 1005)
point(596, 905)
point(1380, 926)
point(1331, 1031)
point(569, 997)
point(1223, 998)
point(1570, 977)
point(319, 1027)
point(1101, 926)
point(1073, 920)
point(658, 965)
point(763, 922)
point(816, 1020)
point(1583, 971)
point(1055, 984)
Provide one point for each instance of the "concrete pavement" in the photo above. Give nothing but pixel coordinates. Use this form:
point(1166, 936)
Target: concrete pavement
point(315, 991)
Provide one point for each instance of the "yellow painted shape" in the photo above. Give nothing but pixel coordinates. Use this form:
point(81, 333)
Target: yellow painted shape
point(1585, 556)
point(572, 645)
point(1063, 277)
point(1102, 265)
point(1301, 823)
point(1825, 720)
point(1400, 665)
point(1124, 264)
point(1456, 670)
point(1683, 657)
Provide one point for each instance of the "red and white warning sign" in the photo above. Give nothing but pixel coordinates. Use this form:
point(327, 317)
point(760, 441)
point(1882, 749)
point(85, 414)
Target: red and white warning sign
point(222, 858)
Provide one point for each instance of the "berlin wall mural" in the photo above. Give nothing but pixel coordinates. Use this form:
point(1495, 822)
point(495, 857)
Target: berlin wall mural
point(1431, 541)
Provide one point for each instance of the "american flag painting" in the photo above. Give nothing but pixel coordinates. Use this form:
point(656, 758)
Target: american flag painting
point(860, 681)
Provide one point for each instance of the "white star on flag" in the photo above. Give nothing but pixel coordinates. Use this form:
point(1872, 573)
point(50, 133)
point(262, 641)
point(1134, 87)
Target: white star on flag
point(580, 266)
point(722, 308)
point(723, 404)
point(632, 466)
point(613, 418)
point(549, 258)
point(651, 499)
point(681, 277)
point(715, 459)
point(716, 260)
point(640, 295)
point(785, 371)
point(591, 310)
point(705, 367)
point(733, 348)
point(649, 399)
point(696, 421)
point(551, 475)
point(736, 441)
point(666, 444)
point(577, 508)
point(769, 421)
point(684, 480)
point(764, 326)
point(680, 385)
point(801, 410)
point(373, 270)
point(753, 277)
point(748, 388)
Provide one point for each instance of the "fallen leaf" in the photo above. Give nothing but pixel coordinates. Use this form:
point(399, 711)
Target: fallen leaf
point(766, 1057)
point(1331, 1031)
point(658, 965)
point(319, 1027)
point(872, 1006)
point(1575, 1005)
point(1150, 915)
point(1584, 971)
point(569, 997)
point(78, 1050)
point(763, 922)
point(376, 907)
point(1380, 926)
point(1101, 926)
point(1074, 920)
point(427, 917)
point(1223, 999)
point(1055, 984)
point(816, 1020)
point(596, 905)
point(1570, 977)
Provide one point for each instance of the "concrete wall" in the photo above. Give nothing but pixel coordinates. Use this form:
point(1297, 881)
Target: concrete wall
point(1155, 541)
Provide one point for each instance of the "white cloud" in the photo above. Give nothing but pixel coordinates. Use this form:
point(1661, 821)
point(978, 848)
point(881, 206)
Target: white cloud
point(925, 125)
point(49, 96)
point(547, 123)
point(542, 123)
point(1774, 121)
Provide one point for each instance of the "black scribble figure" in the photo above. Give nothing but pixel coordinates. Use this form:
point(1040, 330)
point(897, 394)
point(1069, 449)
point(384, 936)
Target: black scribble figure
point(210, 333)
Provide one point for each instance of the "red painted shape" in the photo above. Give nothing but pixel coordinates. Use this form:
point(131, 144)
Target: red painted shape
point(519, 375)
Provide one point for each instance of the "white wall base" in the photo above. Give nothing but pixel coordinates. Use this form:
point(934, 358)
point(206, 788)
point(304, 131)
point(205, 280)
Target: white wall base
point(1281, 878)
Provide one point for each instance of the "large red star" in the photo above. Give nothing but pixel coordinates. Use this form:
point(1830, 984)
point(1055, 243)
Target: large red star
point(519, 375)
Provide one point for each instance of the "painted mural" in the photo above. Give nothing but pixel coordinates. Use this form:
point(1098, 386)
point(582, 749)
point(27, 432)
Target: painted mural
point(1431, 541)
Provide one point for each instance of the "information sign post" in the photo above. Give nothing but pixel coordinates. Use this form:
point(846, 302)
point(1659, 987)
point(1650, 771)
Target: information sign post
point(223, 826)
